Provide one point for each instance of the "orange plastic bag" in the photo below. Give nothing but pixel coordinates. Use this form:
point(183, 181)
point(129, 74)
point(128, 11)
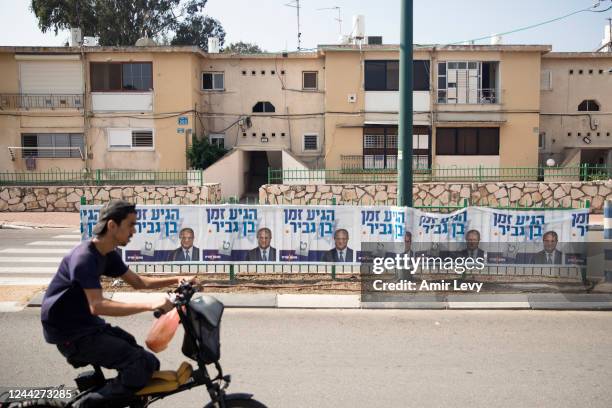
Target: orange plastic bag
point(162, 331)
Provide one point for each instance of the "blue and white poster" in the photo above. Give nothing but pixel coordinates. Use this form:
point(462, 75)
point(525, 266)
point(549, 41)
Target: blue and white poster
point(334, 234)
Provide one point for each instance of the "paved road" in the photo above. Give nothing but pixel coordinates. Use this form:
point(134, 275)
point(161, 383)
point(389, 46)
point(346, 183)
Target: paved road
point(31, 256)
point(361, 358)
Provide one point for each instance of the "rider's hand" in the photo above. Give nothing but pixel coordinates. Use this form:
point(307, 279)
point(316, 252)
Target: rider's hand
point(166, 305)
point(189, 278)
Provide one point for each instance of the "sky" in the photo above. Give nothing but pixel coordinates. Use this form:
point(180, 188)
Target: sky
point(273, 25)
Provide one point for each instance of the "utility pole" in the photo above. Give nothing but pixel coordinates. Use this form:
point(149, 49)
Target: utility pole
point(299, 34)
point(404, 152)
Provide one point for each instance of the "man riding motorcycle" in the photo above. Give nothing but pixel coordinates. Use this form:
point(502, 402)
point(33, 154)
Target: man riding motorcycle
point(73, 303)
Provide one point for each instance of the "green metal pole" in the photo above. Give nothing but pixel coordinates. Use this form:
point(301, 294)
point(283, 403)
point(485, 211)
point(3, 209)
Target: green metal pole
point(333, 273)
point(232, 274)
point(404, 152)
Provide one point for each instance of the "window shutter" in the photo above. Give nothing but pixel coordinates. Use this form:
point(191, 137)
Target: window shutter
point(311, 142)
point(142, 138)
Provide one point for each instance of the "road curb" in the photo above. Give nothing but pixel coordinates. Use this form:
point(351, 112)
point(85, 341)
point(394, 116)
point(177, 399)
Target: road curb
point(551, 301)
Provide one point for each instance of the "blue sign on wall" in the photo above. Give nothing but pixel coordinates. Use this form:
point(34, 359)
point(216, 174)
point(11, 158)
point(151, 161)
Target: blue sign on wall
point(183, 120)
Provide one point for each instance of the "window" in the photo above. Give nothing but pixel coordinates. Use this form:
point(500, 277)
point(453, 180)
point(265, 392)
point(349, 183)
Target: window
point(380, 147)
point(467, 141)
point(469, 82)
point(130, 139)
point(263, 107)
point(217, 139)
point(213, 81)
point(121, 76)
point(588, 105)
point(52, 145)
point(384, 75)
point(546, 80)
point(309, 80)
point(421, 75)
point(542, 140)
point(311, 142)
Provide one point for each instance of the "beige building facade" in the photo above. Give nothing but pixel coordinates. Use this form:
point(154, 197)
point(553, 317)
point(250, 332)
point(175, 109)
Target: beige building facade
point(473, 105)
point(138, 108)
point(68, 108)
point(576, 118)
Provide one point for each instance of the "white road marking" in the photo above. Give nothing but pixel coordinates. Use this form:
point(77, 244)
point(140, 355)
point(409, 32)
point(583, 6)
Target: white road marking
point(43, 259)
point(28, 269)
point(21, 281)
point(32, 251)
point(53, 243)
point(11, 307)
point(77, 237)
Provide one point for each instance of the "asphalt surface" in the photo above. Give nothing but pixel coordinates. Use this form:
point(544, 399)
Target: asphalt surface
point(372, 358)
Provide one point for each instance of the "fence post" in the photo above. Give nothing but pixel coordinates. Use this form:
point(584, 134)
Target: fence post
point(232, 274)
point(608, 235)
point(480, 173)
point(98, 177)
point(333, 273)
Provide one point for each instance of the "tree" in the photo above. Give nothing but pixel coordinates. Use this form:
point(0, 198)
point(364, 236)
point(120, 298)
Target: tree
point(123, 22)
point(202, 154)
point(196, 30)
point(243, 48)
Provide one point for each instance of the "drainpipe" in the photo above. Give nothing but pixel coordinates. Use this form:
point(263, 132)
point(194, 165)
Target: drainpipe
point(85, 116)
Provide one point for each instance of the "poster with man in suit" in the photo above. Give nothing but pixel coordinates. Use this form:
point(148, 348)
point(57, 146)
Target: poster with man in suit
point(263, 252)
point(186, 252)
point(340, 252)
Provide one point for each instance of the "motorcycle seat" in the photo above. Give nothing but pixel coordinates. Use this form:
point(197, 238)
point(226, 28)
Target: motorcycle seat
point(167, 380)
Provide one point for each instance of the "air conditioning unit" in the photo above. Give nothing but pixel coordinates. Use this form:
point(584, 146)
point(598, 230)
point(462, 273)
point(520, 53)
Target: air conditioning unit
point(375, 40)
point(91, 41)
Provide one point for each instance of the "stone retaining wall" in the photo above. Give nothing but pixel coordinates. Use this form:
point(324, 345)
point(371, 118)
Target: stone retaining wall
point(523, 194)
point(69, 198)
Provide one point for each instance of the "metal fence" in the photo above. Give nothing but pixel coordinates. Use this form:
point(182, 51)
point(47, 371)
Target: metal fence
point(40, 101)
point(335, 271)
point(102, 177)
point(351, 175)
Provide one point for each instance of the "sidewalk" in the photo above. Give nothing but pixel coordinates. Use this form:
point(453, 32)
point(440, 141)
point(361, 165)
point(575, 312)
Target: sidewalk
point(39, 220)
point(535, 301)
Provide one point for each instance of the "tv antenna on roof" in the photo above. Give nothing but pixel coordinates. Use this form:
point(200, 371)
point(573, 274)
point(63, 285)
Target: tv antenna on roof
point(338, 19)
point(296, 4)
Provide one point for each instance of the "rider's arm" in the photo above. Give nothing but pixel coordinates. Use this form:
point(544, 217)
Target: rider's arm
point(143, 282)
point(98, 305)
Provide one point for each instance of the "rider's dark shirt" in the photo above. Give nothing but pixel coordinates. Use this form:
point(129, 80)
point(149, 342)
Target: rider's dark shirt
point(65, 312)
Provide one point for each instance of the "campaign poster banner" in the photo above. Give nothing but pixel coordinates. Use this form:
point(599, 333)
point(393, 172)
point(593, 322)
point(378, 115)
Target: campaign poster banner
point(233, 233)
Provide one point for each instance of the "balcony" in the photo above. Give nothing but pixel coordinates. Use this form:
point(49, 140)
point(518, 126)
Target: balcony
point(463, 95)
point(379, 163)
point(40, 101)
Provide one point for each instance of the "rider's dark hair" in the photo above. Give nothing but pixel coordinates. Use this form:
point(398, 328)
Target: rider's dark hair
point(118, 215)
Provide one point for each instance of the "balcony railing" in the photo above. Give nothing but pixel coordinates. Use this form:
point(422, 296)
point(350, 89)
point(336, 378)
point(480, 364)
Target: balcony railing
point(388, 163)
point(40, 101)
point(480, 96)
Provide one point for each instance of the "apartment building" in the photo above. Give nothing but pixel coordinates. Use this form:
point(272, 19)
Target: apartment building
point(473, 105)
point(269, 109)
point(337, 107)
point(97, 107)
point(139, 108)
point(576, 118)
